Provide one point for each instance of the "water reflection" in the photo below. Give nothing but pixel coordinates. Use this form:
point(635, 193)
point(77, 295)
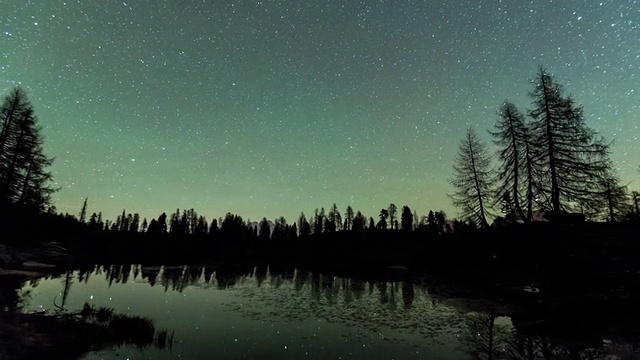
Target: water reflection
point(490, 336)
point(261, 308)
point(62, 334)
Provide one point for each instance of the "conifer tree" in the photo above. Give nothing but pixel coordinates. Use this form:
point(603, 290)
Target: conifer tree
point(406, 219)
point(359, 222)
point(335, 219)
point(530, 176)
point(635, 199)
point(213, 228)
point(201, 226)
point(392, 210)
point(566, 150)
point(280, 229)
point(83, 211)
point(613, 204)
point(303, 225)
point(441, 221)
point(384, 215)
point(508, 134)
point(348, 218)
point(472, 179)
point(24, 181)
point(93, 222)
point(265, 229)
point(432, 224)
point(134, 224)
point(318, 222)
point(416, 220)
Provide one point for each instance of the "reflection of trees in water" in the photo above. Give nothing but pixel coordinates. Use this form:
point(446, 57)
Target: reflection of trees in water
point(270, 293)
point(176, 277)
point(522, 346)
point(484, 340)
point(323, 286)
point(67, 281)
point(487, 338)
point(122, 330)
point(298, 294)
point(71, 335)
point(408, 294)
point(64, 334)
point(386, 308)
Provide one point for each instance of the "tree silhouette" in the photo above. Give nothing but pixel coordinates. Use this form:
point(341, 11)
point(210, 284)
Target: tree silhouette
point(184, 223)
point(318, 222)
point(23, 179)
point(213, 228)
point(348, 218)
point(153, 227)
point(93, 221)
point(201, 227)
point(83, 212)
point(126, 224)
point(303, 225)
point(265, 229)
point(121, 222)
point(384, 214)
point(615, 199)
point(134, 224)
point(359, 222)
point(472, 179)
point(334, 219)
point(635, 197)
point(174, 223)
point(441, 221)
point(280, 229)
point(162, 223)
point(406, 218)
point(393, 209)
point(158, 226)
point(232, 226)
point(508, 209)
point(529, 172)
point(432, 224)
point(565, 149)
point(508, 136)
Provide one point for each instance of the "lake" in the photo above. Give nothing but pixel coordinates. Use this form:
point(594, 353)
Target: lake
point(262, 312)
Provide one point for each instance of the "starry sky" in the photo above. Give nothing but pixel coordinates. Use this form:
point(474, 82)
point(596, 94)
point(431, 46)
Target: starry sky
point(270, 108)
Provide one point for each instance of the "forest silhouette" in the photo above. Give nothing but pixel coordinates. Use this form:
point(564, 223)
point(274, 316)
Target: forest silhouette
point(551, 167)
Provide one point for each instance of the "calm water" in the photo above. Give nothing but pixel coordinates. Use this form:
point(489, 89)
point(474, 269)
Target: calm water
point(269, 313)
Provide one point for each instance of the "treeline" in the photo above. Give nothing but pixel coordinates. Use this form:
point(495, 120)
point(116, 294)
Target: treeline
point(548, 161)
point(183, 236)
point(188, 222)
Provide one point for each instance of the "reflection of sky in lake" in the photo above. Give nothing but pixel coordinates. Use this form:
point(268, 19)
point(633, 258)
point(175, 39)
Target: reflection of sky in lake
point(300, 315)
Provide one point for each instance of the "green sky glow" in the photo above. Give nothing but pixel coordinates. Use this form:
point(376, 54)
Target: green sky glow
point(269, 108)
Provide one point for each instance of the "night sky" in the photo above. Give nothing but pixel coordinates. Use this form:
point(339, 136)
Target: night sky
point(270, 108)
